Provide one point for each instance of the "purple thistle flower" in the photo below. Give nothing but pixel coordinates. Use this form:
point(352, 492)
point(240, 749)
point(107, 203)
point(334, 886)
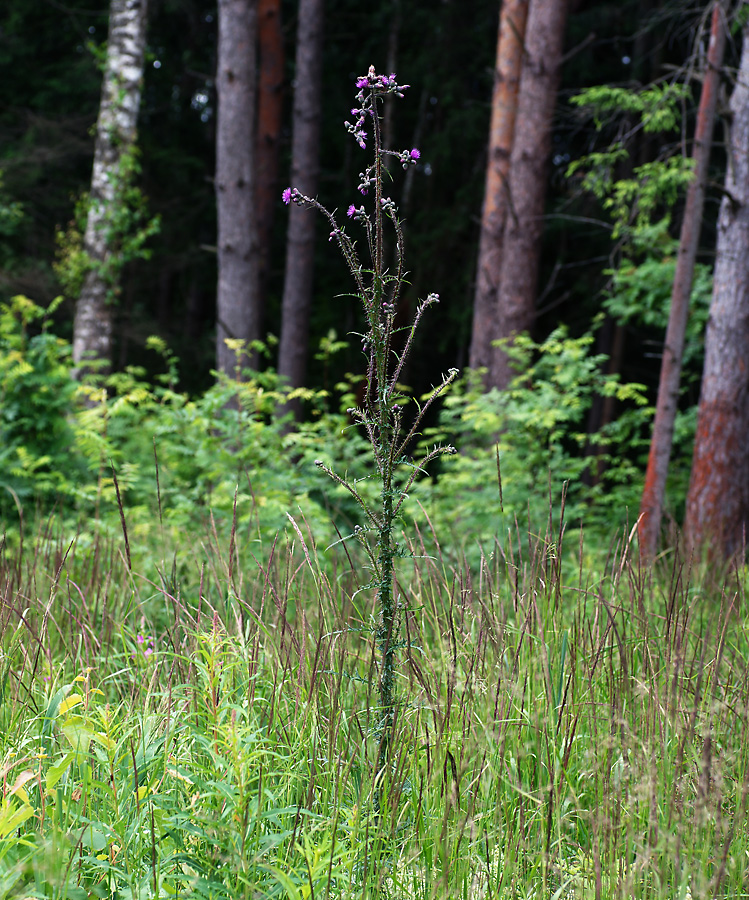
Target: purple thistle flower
point(286, 196)
point(351, 210)
point(415, 153)
point(362, 82)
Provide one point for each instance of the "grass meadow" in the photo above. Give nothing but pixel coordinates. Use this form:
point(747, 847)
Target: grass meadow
point(567, 725)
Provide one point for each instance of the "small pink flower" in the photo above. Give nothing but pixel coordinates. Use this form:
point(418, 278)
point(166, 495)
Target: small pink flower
point(286, 196)
point(351, 210)
point(415, 153)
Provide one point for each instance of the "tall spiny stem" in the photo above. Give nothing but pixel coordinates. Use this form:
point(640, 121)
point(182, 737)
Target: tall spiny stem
point(381, 413)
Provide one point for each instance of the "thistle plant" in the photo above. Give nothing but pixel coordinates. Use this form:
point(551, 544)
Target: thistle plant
point(385, 414)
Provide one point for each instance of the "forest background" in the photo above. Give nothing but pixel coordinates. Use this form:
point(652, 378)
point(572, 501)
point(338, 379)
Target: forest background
point(225, 673)
point(601, 273)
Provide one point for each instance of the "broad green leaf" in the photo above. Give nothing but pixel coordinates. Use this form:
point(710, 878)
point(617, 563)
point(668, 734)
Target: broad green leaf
point(78, 734)
point(55, 772)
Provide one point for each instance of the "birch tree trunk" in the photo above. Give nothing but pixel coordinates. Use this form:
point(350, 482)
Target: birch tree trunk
point(718, 500)
point(237, 315)
point(511, 35)
point(116, 130)
point(651, 506)
point(521, 251)
point(305, 165)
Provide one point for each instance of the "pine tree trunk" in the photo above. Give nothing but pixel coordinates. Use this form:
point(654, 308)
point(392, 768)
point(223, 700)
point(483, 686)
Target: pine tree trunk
point(237, 316)
point(116, 130)
point(718, 500)
point(269, 117)
point(305, 164)
point(539, 83)
point(512, 21)
point(651, 506)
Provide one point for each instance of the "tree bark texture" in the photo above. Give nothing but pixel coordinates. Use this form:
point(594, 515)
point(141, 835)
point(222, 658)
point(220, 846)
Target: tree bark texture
point(305, 164)
point(237, 316)
point(718, 498)
point(521, 251)
point(116, 130)
point(511, 35)
point(651, 506)
point(269, 117)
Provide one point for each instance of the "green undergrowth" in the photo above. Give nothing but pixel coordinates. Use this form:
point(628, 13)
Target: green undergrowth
point(228, 459)
point(207, 727)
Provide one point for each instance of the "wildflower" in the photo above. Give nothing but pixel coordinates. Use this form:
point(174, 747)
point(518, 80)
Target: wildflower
point(286, 196)
point(362, 82)
point(351, 210)
point(415, 153)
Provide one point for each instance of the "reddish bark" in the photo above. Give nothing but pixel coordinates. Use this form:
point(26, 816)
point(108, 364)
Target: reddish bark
point(512, 21)
point(651, 506)
point(718, 500)
point(269, 116)
point(539, 83)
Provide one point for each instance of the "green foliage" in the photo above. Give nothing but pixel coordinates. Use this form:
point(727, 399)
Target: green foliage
point(224, 444)
point(658, 108)
point(36, 394)
point(126, 225)
point(538, 427)
point(11, 218)
point(640, 286)
point(73, 262)
point(640, 292)
point(633, 202)
point(210, 743)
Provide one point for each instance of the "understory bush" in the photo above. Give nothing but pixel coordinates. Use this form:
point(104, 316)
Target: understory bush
point(181, 460)
point(178, 461)
point(526, 450)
